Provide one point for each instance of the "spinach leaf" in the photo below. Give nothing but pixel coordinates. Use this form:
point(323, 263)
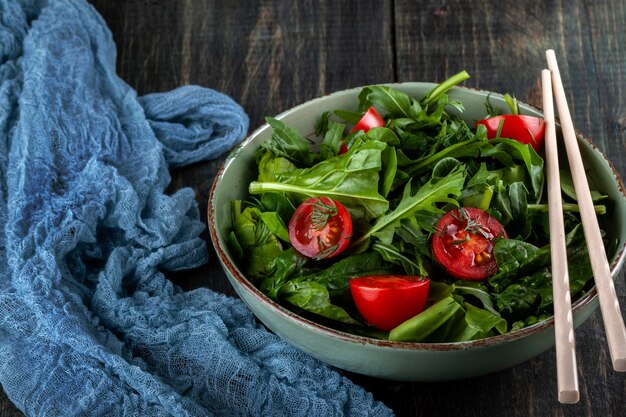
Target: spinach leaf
point(479, 190)
point(396, 103)
point(383, 134)
point(517, 301)
point(278, 203)
point(445, 166)
point(516, 258)
point(567, 186)
point(336, 278)
point(235, 248)
point(287, 264)
point(311, 290)
point(388, 174)
point(351, 178)
point(477, 290)
point(271, 167)
point(523, 285)
point(528, 321)
point(275, 224)
point(475, 323)
point(578, 262)
point(507, 149)
point(418, 328)
point(512, 203)
point(314, 298)
point(332, 140)
point(257, 241)
point(467, 148)
point(437, 291)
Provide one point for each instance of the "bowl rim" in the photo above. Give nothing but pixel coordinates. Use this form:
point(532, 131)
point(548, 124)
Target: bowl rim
point(285, 313)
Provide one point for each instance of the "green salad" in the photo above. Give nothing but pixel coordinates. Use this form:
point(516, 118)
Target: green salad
point(401, 221)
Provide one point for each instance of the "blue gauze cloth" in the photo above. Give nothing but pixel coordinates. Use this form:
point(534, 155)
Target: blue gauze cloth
point(89, 325)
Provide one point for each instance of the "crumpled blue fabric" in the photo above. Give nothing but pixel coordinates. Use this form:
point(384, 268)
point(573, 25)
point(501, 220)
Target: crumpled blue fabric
point(89, 325)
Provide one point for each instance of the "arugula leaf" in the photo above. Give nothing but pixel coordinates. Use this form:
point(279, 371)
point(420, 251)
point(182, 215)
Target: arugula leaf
point(392, 254)
point(467, 148)
point(424, 199)
point(288, 143)
point(348, 116)
point(477, 290)
point(412, 231)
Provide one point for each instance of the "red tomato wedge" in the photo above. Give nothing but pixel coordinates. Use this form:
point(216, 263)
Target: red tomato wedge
point(386, 301)
point(370, 120)
point(525, 129)
point(320, 228)
point(463, 244)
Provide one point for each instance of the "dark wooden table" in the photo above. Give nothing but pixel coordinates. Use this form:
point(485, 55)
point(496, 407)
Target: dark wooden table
point(270, 55)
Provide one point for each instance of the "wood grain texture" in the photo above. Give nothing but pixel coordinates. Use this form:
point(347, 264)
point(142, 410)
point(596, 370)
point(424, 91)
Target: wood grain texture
point(270, 55)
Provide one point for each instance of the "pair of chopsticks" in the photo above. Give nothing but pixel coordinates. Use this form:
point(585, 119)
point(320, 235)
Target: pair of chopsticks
point(567, 376)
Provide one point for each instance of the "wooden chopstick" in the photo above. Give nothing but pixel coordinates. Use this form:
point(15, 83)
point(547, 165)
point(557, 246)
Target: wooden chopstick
point(567, 375)
point(609, 304)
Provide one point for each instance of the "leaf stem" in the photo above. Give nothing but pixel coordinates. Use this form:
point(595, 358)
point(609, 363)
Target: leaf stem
point(567, 207)
point(434, 94)
point(417, 167)
point(259, 187)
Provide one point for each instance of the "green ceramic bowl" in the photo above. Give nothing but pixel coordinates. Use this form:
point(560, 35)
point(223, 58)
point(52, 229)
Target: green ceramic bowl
point(396, 360)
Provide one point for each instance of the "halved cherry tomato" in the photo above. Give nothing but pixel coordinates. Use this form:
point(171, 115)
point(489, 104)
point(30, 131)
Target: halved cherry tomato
point(463, 243)
point(525, 129)
point(386, 301)
point(320, 228)
point(370, 120)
